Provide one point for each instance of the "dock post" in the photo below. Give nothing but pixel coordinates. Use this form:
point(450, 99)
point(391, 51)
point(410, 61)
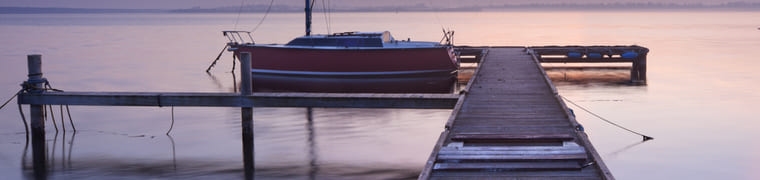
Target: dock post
point(35, 84)
point(643, 68)
point(246, 89)
point(639, 69)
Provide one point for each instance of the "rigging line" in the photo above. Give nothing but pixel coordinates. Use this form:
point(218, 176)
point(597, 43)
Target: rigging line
point(436, 12)
point(327, 13)
point(329, 16)
point(269, 8)
point(645, 137)
point(240, 11)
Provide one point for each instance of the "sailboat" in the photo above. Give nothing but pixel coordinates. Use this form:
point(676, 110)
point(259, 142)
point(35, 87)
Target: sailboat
point(347, 54)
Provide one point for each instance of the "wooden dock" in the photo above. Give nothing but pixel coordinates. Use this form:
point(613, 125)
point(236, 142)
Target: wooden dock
point(507, 123)
point(510, 123)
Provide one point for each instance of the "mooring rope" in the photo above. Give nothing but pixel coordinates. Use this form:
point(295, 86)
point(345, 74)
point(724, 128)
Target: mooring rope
point(23, 118)
point(63, 125)
point(29, 87)
point(70, 120)
point(645, 137)
point(172, 125)
point(9, 100)
point(52, 116)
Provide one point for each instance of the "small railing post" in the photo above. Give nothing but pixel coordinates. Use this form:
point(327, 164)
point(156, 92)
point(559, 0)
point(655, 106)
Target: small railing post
point(35, 84)
point(246, 89)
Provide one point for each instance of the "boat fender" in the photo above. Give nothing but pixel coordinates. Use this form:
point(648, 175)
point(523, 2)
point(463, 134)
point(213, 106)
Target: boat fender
point(574, 55)
point(629, 55)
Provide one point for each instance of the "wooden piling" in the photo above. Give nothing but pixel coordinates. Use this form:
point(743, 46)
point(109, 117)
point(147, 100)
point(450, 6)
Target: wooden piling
point(246, 121)
point(639, 69)
point(35, 84)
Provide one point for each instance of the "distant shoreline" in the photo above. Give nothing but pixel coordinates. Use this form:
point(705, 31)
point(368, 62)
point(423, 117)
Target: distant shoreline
point(738, 6)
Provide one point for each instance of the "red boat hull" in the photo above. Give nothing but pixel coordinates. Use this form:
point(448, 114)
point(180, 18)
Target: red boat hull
point(284, 60)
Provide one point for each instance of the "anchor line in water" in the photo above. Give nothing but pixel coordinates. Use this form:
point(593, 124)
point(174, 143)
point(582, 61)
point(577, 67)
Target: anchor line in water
point(269, 8)
point(172, 125)
point(645, 137)
point(217, 58)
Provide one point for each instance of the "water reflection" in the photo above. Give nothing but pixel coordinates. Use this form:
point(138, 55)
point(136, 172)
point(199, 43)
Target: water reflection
point(142, 155)
point(313, 167)
point(588, 75)
point(50, 163)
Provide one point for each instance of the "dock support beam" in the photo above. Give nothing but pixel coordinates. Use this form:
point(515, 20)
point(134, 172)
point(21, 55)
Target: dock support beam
point(246, 121)
point(35, 84)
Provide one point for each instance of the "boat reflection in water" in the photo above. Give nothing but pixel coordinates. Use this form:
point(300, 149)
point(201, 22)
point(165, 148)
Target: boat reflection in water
point(334, 84)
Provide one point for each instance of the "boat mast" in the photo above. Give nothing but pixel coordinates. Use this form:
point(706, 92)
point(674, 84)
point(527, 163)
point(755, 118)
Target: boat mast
point(308, 18)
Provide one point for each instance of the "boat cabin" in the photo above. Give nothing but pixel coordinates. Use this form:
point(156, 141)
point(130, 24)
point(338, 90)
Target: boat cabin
point(345, 39)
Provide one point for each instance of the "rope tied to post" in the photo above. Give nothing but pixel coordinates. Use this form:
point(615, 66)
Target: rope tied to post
point(32, 86)
point(645, 137)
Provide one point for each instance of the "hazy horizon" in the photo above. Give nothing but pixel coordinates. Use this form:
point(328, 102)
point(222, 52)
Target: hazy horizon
point(185, 4)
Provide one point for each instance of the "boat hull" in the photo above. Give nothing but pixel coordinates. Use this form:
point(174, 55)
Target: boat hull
point(417, 84)
point(364, 62)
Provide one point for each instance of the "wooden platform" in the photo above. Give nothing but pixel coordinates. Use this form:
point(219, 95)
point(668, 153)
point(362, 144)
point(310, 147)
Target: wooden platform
point(511, 124)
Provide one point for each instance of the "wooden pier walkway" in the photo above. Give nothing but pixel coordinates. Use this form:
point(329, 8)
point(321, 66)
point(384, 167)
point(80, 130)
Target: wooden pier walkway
point(510, 123)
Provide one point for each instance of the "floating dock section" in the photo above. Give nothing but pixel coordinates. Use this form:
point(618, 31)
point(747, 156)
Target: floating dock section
point(510, 123)
point(636, 55)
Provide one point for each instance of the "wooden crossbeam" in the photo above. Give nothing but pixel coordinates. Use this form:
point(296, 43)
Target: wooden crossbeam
point(331, 100)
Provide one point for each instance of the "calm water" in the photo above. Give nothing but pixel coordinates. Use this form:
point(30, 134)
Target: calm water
point(698, 103)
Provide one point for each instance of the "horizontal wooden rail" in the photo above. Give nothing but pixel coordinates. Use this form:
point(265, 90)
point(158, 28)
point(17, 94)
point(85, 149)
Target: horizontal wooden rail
point(332, 100)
